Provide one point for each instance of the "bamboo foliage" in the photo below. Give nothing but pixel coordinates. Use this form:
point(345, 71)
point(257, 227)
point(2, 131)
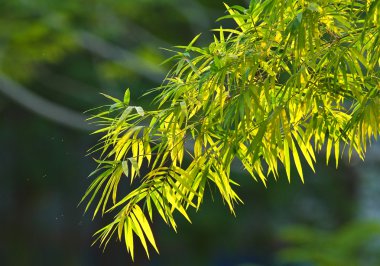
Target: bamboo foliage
point(292, 78)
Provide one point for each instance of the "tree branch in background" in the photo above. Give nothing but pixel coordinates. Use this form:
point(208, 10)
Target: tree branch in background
point(121, 56)
point(52, 111)
point(195, 13)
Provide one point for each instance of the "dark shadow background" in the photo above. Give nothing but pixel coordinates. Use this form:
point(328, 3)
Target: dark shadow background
point(66, 52)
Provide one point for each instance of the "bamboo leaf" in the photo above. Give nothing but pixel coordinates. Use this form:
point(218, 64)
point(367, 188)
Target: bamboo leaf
point(128, 237)
point(297, 161)
point(287, 159)
point(145, 226)
point(138, 231)
point(139, 110)
point(127, 97)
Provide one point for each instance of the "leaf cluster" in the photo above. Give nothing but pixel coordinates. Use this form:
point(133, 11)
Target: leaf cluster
point(293, 78)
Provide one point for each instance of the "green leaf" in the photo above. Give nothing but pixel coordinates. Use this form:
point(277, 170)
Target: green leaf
point(297, 161)
point(117, 101)
point(145, 226)
point(138, 231)
point(124, 165)
point(127, 97)
point(128, 237)
point(139, 110)
point(287, 159)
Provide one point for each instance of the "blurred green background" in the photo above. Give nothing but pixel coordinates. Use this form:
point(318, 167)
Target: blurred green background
point(55, 59)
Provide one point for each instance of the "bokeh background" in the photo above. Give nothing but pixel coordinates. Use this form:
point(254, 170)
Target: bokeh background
point(56, 57)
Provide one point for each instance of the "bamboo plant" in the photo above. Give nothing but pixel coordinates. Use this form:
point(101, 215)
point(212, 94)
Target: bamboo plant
point(292, 78)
